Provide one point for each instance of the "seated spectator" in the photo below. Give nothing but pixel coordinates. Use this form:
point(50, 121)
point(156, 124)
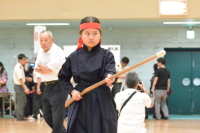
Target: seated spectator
point(3, 80)
point(132, 114)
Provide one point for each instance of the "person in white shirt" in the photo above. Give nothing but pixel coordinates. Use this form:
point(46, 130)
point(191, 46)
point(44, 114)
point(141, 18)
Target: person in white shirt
point(49, 62)
point(131, 118)
point(20, 88)
point(120, 67)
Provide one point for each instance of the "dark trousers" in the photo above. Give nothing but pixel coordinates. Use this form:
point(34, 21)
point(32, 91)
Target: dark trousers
point(28, 110)
point(53, 107)
point(37, 99)
point(20, 100)
point(116, 89)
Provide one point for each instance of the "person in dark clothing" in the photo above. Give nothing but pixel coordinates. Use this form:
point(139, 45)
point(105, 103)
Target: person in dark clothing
point(28, 71)
point(93, 112)
point(160, 87)
point(155, 68)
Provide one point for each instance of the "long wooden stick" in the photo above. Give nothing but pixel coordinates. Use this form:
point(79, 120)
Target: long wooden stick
point(159, 54)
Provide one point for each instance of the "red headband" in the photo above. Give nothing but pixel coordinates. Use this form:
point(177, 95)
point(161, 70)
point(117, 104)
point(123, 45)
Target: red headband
point(87, 26)
point(90, 25)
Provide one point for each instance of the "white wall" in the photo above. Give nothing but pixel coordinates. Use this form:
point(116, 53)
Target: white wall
point(136, 43)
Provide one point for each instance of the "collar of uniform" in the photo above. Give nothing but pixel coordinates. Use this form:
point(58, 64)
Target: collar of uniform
point(120, 66)
point(95, 48)
point(50, 50)
point(20, 65)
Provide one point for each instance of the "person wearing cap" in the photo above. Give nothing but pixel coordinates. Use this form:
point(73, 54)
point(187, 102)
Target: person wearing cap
point(93, 112)
point(49, 62)
point(20, 88)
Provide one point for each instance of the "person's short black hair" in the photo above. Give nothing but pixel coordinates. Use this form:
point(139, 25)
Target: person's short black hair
point(132, 79)
point(21, 56)
point(161, 60)
point(125, 60)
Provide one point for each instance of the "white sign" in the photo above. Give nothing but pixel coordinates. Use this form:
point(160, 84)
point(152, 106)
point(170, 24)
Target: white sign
point(115, 49)
point(37, 31)
point(173, 7)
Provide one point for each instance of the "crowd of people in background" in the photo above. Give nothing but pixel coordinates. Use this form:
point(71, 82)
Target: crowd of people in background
point(30, 102)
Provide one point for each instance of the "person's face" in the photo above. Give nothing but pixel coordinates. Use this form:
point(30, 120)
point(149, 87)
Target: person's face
point(91, 37)
point(0, 68)
point(46, 41)
point(123, 64)
point(23, 61)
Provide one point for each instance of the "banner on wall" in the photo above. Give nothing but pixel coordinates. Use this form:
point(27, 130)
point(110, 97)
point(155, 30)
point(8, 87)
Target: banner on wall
point(37, 31)
point(115, 49)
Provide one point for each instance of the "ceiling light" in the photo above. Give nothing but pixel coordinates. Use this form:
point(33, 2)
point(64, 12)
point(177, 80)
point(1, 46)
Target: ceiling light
point(34, 24)
point(181, 22)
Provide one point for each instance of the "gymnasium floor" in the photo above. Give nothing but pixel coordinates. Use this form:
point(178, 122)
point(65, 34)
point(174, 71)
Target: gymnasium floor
point(176, 124)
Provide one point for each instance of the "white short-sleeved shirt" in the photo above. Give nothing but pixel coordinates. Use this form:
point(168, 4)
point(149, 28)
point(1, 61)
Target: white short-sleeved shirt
point(18, 74)
point(132, 116)
point(119, 68)
point(53, 59)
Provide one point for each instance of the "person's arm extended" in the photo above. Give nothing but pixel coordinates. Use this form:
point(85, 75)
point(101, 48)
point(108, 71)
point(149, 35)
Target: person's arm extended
point(168, 85)
point(26, 90)
point(154, 84)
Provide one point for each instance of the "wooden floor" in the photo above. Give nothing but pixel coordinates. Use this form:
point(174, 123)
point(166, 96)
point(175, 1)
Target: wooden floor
point(8, 125)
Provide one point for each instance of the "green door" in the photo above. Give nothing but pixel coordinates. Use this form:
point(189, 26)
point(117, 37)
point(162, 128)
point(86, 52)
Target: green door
point(182, 64)
point(195, 85)
point(179, 65)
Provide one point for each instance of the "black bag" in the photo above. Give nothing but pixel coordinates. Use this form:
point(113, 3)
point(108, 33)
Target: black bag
point(126, 101)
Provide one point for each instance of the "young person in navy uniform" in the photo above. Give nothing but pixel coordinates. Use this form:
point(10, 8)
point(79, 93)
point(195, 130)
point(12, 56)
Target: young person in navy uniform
point(94, 112)
point(49, 62)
